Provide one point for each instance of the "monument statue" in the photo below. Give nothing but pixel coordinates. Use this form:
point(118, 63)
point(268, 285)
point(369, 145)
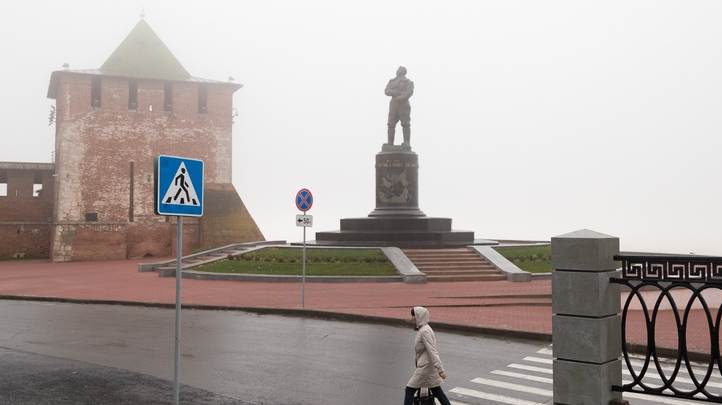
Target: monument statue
point(400, 89)
point(397, 219)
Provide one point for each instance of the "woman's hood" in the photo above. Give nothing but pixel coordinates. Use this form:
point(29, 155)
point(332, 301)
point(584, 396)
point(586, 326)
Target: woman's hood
point(422, 316)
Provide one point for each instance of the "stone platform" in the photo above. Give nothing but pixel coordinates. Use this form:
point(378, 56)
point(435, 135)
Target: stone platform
point(396, 231)
point(397, 219)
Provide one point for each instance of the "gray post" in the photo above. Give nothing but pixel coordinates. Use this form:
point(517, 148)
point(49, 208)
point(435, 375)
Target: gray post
point(303, 267)
point(178, 276)
point(586, 322)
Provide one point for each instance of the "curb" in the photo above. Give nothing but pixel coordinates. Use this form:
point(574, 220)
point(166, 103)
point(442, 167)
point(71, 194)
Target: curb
point(154, 266)
point(204, 275)
point(338, 316)
point(301, 313)
point(512, 271)
point(404, 266)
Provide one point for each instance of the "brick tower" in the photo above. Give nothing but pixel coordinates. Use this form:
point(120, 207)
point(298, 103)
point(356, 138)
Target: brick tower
point(111, 122)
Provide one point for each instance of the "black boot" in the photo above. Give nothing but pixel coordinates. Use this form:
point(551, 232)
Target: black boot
point(392, 134)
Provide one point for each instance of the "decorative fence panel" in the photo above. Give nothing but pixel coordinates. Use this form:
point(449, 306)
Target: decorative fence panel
point(691, 280)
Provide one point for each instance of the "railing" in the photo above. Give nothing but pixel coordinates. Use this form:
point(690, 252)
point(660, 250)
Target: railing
point(683, 276)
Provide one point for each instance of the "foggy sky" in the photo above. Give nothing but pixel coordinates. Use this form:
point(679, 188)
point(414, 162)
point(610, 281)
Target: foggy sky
point(530, 118)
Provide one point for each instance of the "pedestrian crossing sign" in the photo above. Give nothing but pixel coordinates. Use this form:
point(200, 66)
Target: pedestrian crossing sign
point(179, 186)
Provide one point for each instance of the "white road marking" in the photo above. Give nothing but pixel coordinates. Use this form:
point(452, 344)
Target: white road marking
point(492, 397)
point(538, 360)
point(546, 380)
point(652, 374)
point(547, 393)
point(656, 399)
point(698, 372)
point(531, 368)
point(638, 361)
point(513, 387)
point(524, 376)
point(534, 378)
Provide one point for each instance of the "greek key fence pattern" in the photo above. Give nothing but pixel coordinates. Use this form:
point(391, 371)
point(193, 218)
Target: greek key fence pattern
point(664, 274)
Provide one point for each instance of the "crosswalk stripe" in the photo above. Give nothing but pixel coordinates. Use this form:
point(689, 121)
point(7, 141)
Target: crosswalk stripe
point(546, 393)
point(538, 360)
point(651, 374)
point(523, 376)
point(534, 378)
point(492, 397)
point(656, 399)
point(682, 367)
point(456, 403)
point(531, 368)
point(638, 361)
point(513, 387)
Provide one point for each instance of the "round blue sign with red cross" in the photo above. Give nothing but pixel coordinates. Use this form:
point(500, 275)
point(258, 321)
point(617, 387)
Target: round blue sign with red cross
point(304, 199)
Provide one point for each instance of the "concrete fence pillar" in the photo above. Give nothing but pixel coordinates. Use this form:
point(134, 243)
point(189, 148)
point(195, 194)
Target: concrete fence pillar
point(586, 322)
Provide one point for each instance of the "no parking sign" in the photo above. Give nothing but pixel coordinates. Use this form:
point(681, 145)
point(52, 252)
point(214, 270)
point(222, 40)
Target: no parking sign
point(304, 199)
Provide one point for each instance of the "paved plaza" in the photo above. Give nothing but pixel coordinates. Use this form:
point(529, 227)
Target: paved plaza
point(499, 306)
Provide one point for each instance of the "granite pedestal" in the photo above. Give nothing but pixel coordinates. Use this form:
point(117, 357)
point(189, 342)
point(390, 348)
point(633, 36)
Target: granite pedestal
point(397, 219)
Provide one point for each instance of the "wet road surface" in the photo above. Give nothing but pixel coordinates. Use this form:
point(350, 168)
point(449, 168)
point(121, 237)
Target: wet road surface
point(34, 379)
point(124, 355)
point(261, 359)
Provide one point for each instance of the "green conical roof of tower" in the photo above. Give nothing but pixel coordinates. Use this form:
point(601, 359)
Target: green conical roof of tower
point(142, 54)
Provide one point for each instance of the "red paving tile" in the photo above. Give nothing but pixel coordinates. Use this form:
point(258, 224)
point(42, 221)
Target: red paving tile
point(499, 305)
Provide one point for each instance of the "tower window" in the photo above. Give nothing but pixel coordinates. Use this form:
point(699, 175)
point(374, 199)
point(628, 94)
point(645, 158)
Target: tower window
point(133, 95)
point(91, 217)
point(37, 185)
point(95, 92)
point(203, 98)
point(168, 96)
point(3, 184)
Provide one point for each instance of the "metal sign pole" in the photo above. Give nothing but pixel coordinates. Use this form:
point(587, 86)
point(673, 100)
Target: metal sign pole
point(179, 186)
point(303, 279)
point(178, 277)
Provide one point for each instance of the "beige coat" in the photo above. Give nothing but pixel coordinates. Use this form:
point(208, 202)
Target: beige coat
point(428, 363)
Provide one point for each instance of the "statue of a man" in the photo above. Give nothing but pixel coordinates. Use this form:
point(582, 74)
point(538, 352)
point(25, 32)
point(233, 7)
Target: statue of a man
point(400, 89)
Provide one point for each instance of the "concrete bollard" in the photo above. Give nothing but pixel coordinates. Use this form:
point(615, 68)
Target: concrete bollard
point(586, 322)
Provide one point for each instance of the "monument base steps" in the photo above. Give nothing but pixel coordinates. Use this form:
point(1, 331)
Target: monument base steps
point(454, 264)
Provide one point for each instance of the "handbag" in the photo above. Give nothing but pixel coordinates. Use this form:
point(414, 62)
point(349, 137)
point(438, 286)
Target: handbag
point(427, 399)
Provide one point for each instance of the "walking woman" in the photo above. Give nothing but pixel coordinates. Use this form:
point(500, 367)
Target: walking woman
point(429, 370)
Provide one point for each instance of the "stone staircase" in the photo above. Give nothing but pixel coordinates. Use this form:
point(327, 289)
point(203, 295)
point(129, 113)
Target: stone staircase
point(454, 264)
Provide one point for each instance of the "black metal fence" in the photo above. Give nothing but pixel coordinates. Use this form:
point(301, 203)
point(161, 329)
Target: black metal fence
point(664, 276)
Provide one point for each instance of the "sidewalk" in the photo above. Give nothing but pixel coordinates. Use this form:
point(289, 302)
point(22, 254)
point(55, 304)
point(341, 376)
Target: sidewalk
point(499, 305)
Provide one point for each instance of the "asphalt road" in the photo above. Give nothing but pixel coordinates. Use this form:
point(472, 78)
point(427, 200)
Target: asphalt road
point(33, 379)
point(259, 359)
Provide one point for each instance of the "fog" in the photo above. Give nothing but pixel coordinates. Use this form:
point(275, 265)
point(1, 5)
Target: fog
point(530, 118)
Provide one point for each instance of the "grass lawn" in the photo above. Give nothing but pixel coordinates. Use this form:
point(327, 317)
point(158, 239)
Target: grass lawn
point(534, 259)
point(319, 262)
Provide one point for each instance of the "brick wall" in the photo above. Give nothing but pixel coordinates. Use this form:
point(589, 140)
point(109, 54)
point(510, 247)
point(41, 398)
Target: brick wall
point(20, 204)
point(24, 240)
point(226, 219)
point(94, 150)
point(25, 220)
